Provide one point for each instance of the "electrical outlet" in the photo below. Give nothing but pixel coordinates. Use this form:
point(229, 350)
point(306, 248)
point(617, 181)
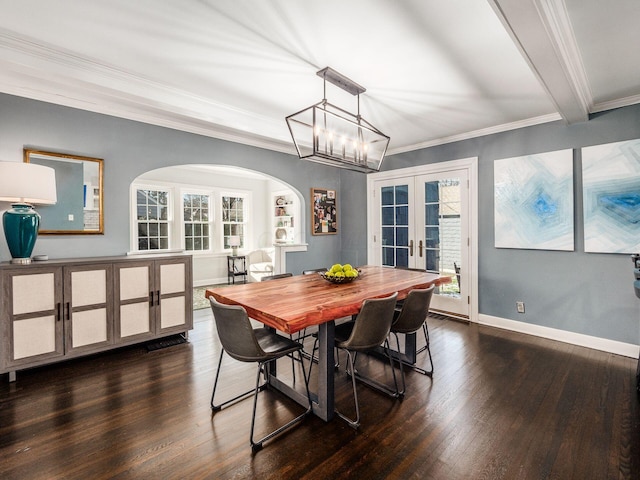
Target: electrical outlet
point(520, 307)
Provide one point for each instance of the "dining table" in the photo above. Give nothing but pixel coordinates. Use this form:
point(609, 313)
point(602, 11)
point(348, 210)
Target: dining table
point(294, 303)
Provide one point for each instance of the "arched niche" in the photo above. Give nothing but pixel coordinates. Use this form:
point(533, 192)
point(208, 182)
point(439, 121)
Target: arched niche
point(263, 191)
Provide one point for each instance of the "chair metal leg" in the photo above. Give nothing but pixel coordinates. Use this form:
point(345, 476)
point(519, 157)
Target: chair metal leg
point(352, 423)
point(404, 385)
point(241, 396)
point(381, 387)
point(256, 445)
point(313, 359)
point(426, 347)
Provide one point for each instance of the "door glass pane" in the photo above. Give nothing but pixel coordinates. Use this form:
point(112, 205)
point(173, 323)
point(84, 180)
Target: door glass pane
point(387, 195)
point(394, 216)
point(387, 215)
point(443, 230)
point(387, 256)
point(402, 257)
point(387, 236)
point(402, 236)
point(402, 195)
point(432, 214)
point(402, 215)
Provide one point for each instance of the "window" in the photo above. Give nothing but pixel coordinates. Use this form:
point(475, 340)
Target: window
point(233, 216)
point(196, 221)
point(152, 210)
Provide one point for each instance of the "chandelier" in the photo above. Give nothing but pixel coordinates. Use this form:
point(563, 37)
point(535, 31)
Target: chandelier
point(324, 133)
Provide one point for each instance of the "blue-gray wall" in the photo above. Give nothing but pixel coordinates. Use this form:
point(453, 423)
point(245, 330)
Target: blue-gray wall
point(131, 148)
point(579, 292)
point(584, 293)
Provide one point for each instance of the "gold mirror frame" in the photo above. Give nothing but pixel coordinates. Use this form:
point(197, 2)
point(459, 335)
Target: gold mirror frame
point(79, 186)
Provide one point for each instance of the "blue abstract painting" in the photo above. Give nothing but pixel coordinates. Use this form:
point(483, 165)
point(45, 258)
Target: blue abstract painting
point(534, 201)
point(611, 197)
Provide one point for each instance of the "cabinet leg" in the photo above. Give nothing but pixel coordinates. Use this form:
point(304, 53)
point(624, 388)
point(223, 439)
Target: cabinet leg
point(12, 376)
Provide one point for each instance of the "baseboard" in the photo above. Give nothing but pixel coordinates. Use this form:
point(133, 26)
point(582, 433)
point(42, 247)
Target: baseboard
point(603, 344)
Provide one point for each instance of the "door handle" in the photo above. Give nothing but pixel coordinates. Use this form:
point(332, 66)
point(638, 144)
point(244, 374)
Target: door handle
point(411, 248)
point(420, 248)
point(67, 307)
point(158, 297)
point(59, 311)
point(151, 298)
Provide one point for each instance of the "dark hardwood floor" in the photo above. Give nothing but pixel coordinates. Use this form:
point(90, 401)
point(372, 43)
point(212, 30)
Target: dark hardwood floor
point(500, 406)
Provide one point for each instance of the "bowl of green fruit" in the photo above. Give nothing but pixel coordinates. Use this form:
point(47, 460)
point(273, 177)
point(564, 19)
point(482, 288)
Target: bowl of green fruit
point(340, 273)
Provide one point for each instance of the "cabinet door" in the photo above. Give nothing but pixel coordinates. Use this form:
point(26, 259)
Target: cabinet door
point(88, 291)
point(134, 294)
point(32, 316)
point(174, 312)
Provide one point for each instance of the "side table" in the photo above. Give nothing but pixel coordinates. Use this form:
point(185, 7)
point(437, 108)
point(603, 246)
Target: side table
point(236, 267)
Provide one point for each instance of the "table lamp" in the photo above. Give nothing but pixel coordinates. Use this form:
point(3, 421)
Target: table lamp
point(24, 184)
point(234, 243)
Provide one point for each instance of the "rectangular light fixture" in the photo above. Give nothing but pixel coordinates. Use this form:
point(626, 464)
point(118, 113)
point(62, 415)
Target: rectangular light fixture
point(324, 133)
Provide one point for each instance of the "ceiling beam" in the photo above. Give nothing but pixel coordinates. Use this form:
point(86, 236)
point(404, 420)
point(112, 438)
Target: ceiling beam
point(542, 32)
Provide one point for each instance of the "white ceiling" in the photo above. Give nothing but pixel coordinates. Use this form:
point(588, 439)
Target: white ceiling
point(435, 71)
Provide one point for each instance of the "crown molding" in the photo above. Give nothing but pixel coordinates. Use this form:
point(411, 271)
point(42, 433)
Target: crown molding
point(618, 103)
point(86, 84)
point(552, 117)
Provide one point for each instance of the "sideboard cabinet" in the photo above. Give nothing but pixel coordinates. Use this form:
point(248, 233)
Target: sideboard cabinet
point(59, 309)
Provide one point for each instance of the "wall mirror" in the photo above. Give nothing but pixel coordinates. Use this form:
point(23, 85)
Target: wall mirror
point(79, 190)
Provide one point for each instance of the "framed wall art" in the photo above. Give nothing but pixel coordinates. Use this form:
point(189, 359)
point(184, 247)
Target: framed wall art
point(324, 211)
point(534, 201)
point(611, 197)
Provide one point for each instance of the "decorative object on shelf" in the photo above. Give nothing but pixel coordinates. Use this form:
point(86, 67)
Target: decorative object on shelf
point(324, 133)
point(280, 201)
point(234, 243)
point(324, 212)
point(281, 235)
point(23, 185)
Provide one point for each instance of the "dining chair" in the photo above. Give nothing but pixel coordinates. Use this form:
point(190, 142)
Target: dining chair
point(247, 344)
point(411, 318)
point(314, 270)
point(277, 276)
point(369, 330)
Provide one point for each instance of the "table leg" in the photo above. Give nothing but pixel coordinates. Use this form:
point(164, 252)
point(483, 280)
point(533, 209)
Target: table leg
point(407, 355)
point(322, 400)
point(324, 407)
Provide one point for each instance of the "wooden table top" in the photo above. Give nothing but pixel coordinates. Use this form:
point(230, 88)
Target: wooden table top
point(294, 303)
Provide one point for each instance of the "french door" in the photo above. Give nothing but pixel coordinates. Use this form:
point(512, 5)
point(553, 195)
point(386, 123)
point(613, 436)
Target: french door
point(422, 221)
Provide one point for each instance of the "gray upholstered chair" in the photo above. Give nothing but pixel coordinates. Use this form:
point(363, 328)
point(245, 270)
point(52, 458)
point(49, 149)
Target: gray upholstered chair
point(411, 318)
point(314, 270)
point(246, 344)
point(276, 276)
point(369, 330)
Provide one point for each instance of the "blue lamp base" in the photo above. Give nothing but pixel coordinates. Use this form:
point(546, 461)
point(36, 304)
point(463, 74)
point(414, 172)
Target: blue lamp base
point(21, 224)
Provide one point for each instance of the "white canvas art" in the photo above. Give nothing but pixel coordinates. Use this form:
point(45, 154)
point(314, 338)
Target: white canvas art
point(534, 201)
point(611, 197)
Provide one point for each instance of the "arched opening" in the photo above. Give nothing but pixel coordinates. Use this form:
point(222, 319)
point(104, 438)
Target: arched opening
point(206, 209)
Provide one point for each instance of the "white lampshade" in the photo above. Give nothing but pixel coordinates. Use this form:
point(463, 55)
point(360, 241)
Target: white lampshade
point(27, 183)
point(234, 241)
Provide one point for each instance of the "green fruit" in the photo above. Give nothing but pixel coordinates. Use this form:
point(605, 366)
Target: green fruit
point(346, 267)
point(336, 267)
point(339, 274)
point(351, 273)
